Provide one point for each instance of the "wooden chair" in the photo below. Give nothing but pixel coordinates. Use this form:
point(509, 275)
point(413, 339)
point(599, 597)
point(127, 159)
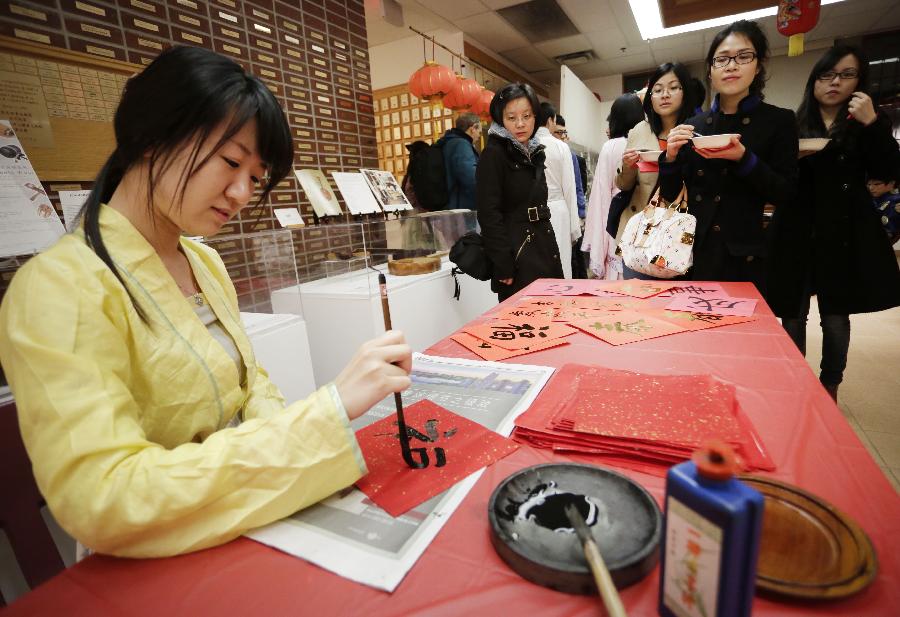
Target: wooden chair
point(20, 506)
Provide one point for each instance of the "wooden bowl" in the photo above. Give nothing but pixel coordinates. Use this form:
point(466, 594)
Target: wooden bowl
point(414, 265)
point(809, 549)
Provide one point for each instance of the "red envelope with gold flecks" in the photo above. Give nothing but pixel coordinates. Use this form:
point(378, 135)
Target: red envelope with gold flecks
point(695, 321)
point(621, 327)
point(494, 354)
point(452, 446)
point(519, 333)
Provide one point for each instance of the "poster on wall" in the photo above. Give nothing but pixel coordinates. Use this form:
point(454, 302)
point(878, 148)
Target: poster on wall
point(386, 189)
point(318, 191)
point(71, 202)
point(28, 221)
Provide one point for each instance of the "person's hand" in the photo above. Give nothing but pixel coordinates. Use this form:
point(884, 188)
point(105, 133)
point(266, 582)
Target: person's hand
point(505, 281)
point(380, 367)
point(678, 136)
point(733, 152)
point(862, 109)
point(630, 158)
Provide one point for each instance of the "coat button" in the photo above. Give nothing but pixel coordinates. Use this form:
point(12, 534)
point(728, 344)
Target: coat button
point(709, 120)
point(841, 157)
point(698, 197)
point(716, 228)
point(749, 258)
point(745, 121)
point(699, 172)
point(725, 172)
point(717, 198)
point(845, 186)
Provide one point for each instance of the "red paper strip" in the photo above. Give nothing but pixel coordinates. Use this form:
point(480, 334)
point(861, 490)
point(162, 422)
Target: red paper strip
point(695, 321)
point(454, 446)
point(696, 288)
point(493, 353)
point(716, 305)
point(527, 312)
point(622, 327)
point(637, 288)
point(519, 333)
point(571, 287)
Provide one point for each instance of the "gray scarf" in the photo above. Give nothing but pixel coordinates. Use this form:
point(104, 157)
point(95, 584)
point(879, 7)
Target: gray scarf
point(527, 149)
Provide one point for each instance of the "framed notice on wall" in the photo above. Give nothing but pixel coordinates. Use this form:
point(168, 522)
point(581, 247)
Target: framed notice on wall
point(61, 104)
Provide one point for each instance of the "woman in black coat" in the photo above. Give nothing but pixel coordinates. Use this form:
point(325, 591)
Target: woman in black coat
point(833, 245)
point(511, 196)
point(729, 188)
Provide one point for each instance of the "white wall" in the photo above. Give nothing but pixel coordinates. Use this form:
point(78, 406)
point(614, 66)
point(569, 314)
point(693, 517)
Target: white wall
point(393, 63)
point(582, 111)
point(608, 86)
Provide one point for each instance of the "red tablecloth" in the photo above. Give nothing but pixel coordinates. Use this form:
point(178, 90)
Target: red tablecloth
point(460, 574)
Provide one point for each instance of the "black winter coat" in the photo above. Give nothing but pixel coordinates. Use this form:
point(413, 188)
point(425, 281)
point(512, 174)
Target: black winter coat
point(833, 245)
point(728, 197)
point(507, 185)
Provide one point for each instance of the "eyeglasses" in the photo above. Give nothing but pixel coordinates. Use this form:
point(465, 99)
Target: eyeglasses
point(745, 57)
point(672, 90)
point(561, 133)
point(830, 75)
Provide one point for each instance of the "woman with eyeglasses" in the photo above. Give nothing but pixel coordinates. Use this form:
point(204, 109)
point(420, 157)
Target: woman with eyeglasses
point(729, 187)
point(665, 106)
point(833, 246)
point(511, 195)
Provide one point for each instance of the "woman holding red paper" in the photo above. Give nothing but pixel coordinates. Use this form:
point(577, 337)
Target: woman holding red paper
point(665, 104)
point(729, 187)
point(833, 245)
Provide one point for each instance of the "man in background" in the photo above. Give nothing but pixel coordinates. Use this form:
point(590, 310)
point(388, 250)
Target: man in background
point(460, 160)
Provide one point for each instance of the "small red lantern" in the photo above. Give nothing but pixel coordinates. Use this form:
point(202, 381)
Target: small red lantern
point(482, 105)
point(794, 18)
point(432, 81)
point(464, 95)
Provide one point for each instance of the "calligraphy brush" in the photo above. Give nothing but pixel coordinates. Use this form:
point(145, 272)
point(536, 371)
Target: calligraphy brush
point(605, 585)
point(398, 400)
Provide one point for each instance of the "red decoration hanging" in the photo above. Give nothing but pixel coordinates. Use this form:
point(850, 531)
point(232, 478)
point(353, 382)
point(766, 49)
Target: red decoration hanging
point(432, 81)
point(482, 105)
point(794, 18)
point(463, 96)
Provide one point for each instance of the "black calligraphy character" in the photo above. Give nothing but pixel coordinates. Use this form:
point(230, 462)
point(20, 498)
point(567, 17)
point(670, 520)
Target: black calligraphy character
point(484, 345)
point(430, 435)
point(707, 305)
point(502, 335)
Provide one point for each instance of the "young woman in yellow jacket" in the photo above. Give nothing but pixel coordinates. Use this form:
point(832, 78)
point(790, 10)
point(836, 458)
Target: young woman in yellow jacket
point(151, 429)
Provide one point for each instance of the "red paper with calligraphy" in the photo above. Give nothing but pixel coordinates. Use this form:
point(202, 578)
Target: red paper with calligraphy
point(453, 447)
point(519, 333)
point(621, 327)
point(491, 352)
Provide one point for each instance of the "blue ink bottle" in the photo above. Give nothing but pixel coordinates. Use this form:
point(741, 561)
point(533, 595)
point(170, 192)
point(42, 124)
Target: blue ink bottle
point(710, 543)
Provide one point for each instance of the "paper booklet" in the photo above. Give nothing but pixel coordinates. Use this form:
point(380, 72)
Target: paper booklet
point(318, 191)
point(386, 190)
point(351, 536)
point(356, 192)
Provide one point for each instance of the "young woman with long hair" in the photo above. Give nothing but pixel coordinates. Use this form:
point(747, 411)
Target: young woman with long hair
point(666, 104)
point(833, 245)
point(151, 429)
point(728, 188)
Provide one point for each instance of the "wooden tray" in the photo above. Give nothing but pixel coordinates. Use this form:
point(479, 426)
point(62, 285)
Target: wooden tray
point(809, 549)
point(414, 265)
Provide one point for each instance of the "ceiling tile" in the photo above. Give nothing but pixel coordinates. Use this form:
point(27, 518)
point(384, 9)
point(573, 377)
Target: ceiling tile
point(681, 53)
point(539, 20)
point(501, 4)
point(608, 43)
point(589, 14)
point(550, 76)
point(492, 31)
point(457, 9)
point(678, 40)
point(529, 59)
point(597, 68)
point(566, 45)
point(631, 64)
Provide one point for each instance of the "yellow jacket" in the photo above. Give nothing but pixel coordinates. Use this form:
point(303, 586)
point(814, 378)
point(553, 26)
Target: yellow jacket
point(124, 421)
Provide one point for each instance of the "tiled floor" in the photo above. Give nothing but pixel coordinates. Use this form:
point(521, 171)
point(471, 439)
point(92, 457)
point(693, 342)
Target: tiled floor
point(870, 393)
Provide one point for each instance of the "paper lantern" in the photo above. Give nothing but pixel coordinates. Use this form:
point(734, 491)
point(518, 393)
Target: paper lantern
point(482, 105)
point(463, 96)
point(794, 18)
point(432, 81)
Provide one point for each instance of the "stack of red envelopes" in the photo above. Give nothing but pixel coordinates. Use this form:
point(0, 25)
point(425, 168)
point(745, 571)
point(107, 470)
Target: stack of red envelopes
point(648, 422)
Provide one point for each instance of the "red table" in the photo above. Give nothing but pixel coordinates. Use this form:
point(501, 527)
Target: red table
point(460, 574)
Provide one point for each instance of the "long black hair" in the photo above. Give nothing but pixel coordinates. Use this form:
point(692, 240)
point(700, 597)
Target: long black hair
point(511, 92)
point(753, 33)
point(685, 111)
point(625, 112)
point(809, 115)
point(184, 95)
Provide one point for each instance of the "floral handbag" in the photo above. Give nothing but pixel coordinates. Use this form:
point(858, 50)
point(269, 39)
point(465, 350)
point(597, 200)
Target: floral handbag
point(659, 241)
